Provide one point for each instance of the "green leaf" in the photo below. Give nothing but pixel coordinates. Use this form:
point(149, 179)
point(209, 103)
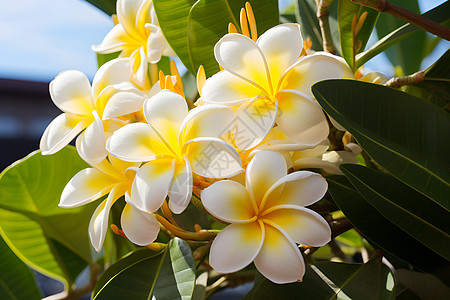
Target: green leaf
point(435, 88)
point(330, 280)
point(346, 11)
point(440, 14)
point(412, 212)
point(208, 22)
point(50, 239)
point(104, 58)
point(378, 229)
point(107, 6)
point(404, 134)
point(426, 286)
point(16, 279)
point(169, 274)
point(408, 53)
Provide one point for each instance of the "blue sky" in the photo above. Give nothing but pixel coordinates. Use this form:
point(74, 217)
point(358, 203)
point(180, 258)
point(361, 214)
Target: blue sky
point(40, 38)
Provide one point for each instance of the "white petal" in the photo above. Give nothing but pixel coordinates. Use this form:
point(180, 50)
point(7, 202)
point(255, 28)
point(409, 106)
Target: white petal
point(60, 132)
point(99, 220)
point(156, 43)
point(140, 227)
point(309, 70)
point(136, 142)
point(128, 12)
point(316, 163)
point(113, 72)
point(140, 68)
point(265, 169)
point(279, 259)
point(213, 157)
point(254, 120)
point(316, 151)
point(115, 40)
point(86, 186)
point(226, 88)
point(241, 56)
point(300, 188)
point(235, 247)
point(151, 184)
point(282, 46)
point(71, 92)
point(301, 119)
point(91, 143)
point(228, 201)
point(180, 191)
point(303, 225)
point(124, 102)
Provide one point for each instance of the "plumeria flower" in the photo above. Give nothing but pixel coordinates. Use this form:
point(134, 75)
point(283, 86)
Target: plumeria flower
point(113, 177)
point(268, 219)
point(137, 35)
point(270, 83)
point(175, 143)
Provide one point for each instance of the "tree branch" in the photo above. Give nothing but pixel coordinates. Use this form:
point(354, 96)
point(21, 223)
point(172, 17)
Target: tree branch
point(322, 15)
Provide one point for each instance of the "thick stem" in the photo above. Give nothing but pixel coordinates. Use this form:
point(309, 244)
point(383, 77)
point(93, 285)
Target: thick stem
point(322, 15)
point(408, 16)
point(397, 82)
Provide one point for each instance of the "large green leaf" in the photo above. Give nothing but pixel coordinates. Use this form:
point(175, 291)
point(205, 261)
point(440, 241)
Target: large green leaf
point(169, 274)
point(404, 134)
point(440, 14)
point(329, 280)
point(107, 6)
point(378, 229)
point(208, 22)
point(408, 53)
point(414, 213)
point(16, 279)
point(346, 11)
point(51, 239)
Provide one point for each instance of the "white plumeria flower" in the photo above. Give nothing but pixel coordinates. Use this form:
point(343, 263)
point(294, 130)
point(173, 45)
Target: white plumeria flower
point(115, 177)
point(329, 161)
point(270, 83)
point(267, 219)
point(176, 143)
point(137, 35)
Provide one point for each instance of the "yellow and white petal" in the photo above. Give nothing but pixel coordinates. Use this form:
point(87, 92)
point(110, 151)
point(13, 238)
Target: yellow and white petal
point(226, 88)
point(151, 184)
point(303, 225)
point(282, 46)
point(156, 43)
point(140, 68)
point(236, 246)
point(140, 227)
point(279, 259)
point(71, 92)
point(242, 57)
point(61, 131)
point(86, 186)
point(309, 70)
point(207, 121)
point(300, 118)
point(316, 163)
point(336, 158)
point(113, 72)
point(300, 188)
point(115, 40)
point(91, 143)
point(264, 170)
point(136, 142)
point(254, 120)
point(99, 220)
point(180, 191)
point(127, 14)
point(213, 157)
point(123, 102)
point(316, 151)
point(229, 201)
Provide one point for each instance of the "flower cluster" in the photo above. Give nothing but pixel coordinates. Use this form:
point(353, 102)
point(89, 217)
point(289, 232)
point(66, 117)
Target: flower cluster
point(254, 129)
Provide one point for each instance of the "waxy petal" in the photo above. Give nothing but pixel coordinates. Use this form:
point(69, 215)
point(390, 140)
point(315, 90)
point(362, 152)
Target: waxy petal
point(136, 142)
point(115, 40)
point(156, 43)
point(140, 68)
point(91, 143)
point(86, 186)
point(316, 163)
point(213, 157)
point(113, 72)
point(140, 227)
point(301, 119)
point(151, 184)
point(279, 259)
point(180, 191)
point(228, 201)
point(71, 93)
point(236, 247)
point(124, 102)
point(128, 12)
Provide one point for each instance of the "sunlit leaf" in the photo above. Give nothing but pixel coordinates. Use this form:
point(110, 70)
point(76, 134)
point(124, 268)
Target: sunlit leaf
point(107, 6)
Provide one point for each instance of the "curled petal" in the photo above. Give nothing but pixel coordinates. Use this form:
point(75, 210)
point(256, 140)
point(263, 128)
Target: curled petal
point(140, 67)
point(60, 132)
point(180, 191)
point(301, 119)
point(316, 163)
point(113, 72)
point(123, 102)
point(279, 259)
point(213, 157)
point(91, 143)
point(228, 201)
point(156, 44)
point(115, 40)
point(236, 247)
point(140, 227)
